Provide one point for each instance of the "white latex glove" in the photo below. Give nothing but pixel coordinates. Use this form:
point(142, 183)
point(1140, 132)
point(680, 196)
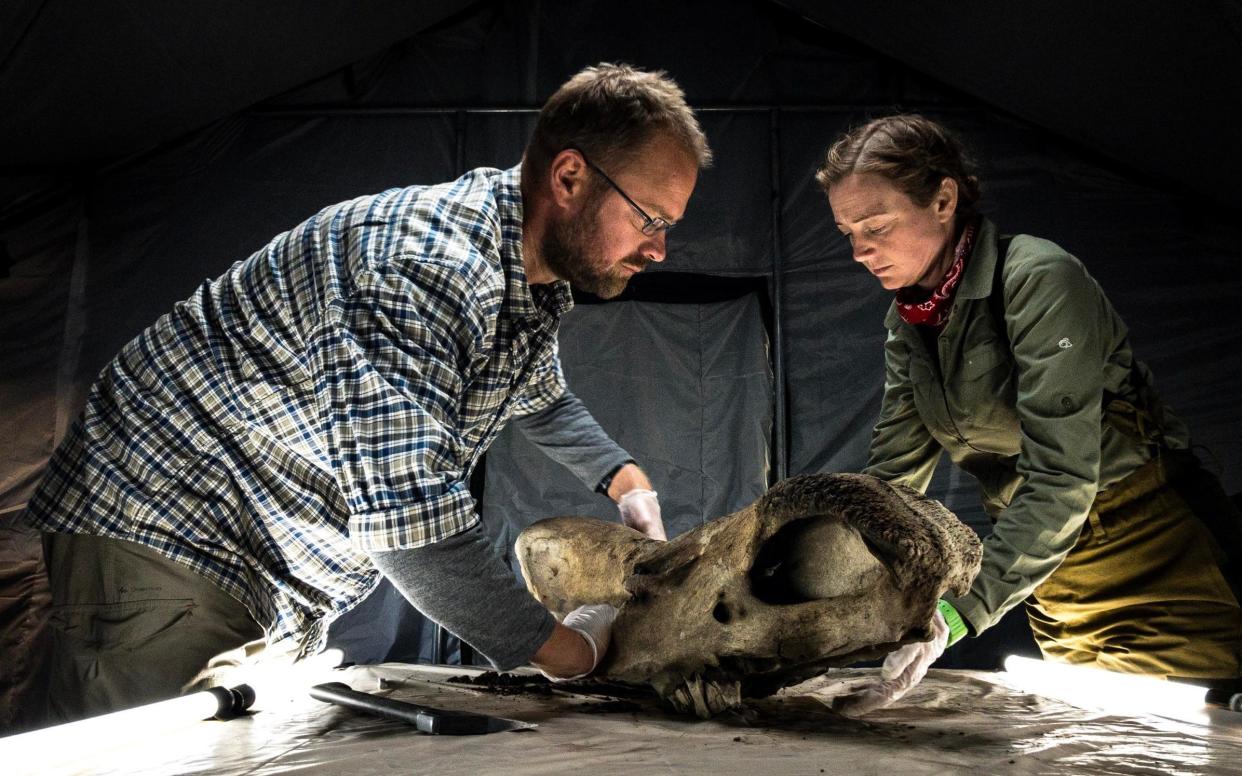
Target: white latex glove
point(641, 511)
point(594, 622)
point(904, 668)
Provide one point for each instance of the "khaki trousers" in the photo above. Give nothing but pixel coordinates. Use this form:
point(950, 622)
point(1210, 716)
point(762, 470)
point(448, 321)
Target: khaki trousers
point(129, 626)
point(1142, 591)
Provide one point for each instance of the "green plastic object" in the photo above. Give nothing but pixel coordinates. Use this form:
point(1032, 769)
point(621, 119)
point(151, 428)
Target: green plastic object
point(957, 626)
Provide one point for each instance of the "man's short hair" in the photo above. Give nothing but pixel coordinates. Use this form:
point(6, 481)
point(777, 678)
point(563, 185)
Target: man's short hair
point(609, 112)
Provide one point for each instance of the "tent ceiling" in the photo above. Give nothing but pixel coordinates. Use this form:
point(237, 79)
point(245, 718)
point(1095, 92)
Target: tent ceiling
point(1146, 82)
point(84, 82)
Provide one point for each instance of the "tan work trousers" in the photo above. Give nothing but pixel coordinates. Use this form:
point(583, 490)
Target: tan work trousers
point(1142, 590)
point(129, 626)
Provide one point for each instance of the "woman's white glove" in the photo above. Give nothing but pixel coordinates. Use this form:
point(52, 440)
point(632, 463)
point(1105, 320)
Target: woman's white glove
point(904, 668)
point(594, 623)
point(641, 511)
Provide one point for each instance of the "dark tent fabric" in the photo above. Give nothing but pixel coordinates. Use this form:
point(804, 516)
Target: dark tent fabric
point(116, 204)
point(88, 82)
point(685, 388)
point(1143, 82)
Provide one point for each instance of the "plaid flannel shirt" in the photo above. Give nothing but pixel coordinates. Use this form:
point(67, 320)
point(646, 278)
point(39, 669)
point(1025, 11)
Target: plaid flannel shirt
point(327, 396)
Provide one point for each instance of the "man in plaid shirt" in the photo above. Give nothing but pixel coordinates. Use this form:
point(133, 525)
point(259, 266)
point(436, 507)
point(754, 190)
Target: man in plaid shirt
point(248, 466)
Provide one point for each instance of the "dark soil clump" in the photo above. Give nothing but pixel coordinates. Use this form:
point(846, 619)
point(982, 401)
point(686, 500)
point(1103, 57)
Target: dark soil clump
point(505, 683)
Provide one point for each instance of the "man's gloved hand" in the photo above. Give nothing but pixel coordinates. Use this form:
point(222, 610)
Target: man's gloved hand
point(641, 511)
point(594, 623)
point(904, 668)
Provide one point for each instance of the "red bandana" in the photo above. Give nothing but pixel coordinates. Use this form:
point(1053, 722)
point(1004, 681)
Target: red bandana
point(934, 311)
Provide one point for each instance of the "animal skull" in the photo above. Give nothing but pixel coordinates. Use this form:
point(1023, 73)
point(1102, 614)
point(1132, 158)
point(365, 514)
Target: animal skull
point(822, 571)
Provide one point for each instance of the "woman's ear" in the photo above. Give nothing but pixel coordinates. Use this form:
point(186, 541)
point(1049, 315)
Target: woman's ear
point(945, 201)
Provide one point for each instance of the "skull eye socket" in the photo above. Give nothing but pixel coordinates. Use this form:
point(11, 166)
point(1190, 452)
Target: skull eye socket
point(812, 559)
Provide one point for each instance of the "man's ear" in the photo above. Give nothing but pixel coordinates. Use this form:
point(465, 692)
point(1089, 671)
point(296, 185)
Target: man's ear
point(567, 175)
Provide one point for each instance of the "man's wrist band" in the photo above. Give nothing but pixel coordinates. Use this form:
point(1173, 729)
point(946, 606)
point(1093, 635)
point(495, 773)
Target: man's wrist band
point(606, 483)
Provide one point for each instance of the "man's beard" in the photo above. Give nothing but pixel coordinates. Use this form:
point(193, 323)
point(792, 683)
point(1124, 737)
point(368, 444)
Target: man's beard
point(571, 249)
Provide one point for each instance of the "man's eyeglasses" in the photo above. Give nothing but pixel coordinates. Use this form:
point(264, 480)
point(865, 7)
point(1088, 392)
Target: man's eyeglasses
point(651, 226)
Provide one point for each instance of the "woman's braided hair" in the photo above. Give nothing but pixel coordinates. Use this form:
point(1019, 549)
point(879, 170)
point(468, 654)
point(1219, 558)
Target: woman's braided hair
point(911, 151)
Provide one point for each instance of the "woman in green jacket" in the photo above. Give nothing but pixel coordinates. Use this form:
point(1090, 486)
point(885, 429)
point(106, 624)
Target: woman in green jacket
point(1005, 353)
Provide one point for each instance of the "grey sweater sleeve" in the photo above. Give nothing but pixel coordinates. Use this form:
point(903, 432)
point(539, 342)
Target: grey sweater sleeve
point(569, 435)
point(459, 583)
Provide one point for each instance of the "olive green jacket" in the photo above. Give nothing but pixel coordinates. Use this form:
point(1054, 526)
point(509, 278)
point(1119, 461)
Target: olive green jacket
point(1023, 413)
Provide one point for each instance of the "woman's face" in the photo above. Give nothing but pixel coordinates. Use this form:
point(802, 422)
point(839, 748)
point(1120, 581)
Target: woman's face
point(899, 242)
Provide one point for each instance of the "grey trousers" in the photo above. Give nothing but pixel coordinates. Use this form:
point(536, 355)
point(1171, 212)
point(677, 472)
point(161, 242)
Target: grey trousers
point(129, 626)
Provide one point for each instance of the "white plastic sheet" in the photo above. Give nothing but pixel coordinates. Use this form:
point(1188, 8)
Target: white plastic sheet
point(955, 722)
